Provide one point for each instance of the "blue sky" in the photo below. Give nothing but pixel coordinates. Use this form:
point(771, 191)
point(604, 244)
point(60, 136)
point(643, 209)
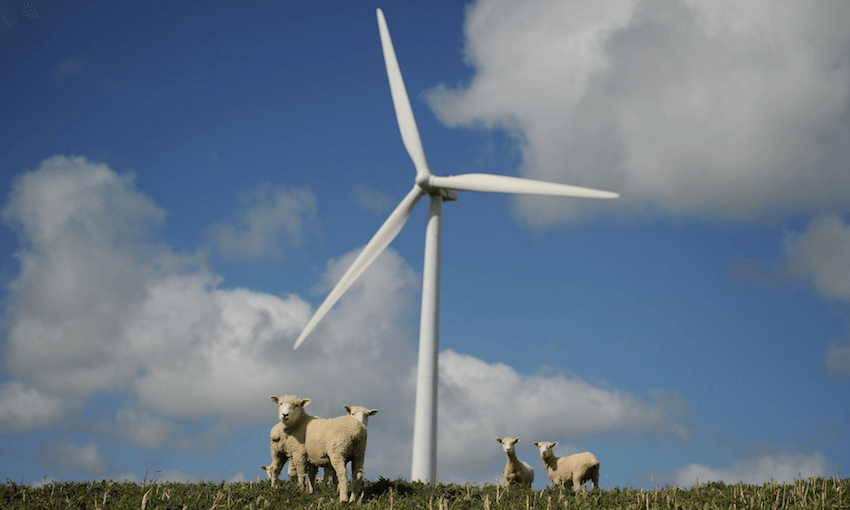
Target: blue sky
point(185, 180)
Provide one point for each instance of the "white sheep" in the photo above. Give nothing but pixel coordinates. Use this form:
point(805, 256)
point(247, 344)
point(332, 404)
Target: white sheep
point(360, 414)
point(572, 471)
point(516, 471)
point(278, 451)
point(307, 440)
point(279, 456)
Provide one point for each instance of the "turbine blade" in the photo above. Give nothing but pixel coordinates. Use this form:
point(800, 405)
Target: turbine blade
point(382, 238)
point(490, 183)
point(403, 111)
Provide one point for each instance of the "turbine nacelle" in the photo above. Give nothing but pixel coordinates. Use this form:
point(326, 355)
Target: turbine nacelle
point(429, 189)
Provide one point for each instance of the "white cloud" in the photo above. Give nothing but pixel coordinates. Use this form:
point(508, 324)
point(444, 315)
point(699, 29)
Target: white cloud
point(275, 220)
point(684, 106)
point(203, 350)
point(85, 258)
point(23, 408)
point(68, 457)
point(757, 470)
point(822, 254)
point(142, 428)
point(101, 306)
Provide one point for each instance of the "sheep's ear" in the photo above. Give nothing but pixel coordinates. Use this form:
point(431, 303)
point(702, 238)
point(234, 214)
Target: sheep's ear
point(499, 439)
point(305, 401)
point(372, 411)
point(554, 444)
point(516, 440)
point(536, 443)
point(347, 409)
point(274, 398)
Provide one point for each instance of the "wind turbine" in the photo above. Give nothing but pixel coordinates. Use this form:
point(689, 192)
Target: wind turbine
point(438, 189)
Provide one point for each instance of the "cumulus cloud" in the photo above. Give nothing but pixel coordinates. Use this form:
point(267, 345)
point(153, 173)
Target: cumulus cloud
point(274, 219)
point(757, 470)
point(99, 305)
point(142, 428)
point(196, 343)
point(821, 254)
point(102, 306)
point(68, 457)
point(23, 408)
point(685, 107)
point(84, 257)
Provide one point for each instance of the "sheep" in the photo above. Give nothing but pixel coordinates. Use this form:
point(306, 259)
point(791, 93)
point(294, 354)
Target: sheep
point(572, 471)
point(516, 471)
point(360, 414)
point(307, 440)
point(279, 455)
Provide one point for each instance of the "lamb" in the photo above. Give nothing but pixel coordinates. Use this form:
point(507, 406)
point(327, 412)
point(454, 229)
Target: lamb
point(572, 471)
point(307, 440)
point(279, 458)
point(516, 471)
point(279, 455)
point(360, 414)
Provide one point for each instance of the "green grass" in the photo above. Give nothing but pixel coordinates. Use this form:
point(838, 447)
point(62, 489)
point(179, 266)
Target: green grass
point(814, 493)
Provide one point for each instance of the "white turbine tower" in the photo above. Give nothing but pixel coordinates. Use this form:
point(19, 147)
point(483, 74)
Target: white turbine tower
point(438, 189)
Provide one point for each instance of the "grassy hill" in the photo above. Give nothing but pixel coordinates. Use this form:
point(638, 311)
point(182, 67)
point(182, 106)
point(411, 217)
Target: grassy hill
point(814, 493)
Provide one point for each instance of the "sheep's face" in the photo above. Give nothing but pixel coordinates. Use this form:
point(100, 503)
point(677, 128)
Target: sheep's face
point(545, 449)
point(360, 413)
point(290, 409)
point(508, 444)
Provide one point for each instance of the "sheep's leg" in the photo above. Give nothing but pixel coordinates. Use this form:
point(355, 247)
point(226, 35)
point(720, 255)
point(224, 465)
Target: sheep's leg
point(329, 475)
point(577, 483)
point(339, 468)
point(268, 470)
point(356, 477)
point(307, 483)
point(273, 470)
point(301, 469)
point(311, 474)
point(279, 458)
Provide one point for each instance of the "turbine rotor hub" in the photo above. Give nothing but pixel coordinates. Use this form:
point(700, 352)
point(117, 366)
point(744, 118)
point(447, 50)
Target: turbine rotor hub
point(448, 195)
